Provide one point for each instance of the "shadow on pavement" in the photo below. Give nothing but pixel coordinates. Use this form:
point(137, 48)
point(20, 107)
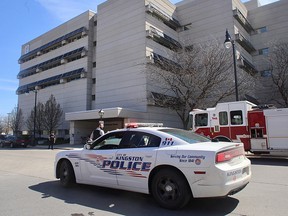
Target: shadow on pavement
point(271, 161)
point(58, 146)
point(129, 203)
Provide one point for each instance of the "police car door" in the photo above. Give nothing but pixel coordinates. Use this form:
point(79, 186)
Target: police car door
point(97, 163)
point(136, 156)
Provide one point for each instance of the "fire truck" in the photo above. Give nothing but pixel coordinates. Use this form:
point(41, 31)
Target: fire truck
point(262, 129)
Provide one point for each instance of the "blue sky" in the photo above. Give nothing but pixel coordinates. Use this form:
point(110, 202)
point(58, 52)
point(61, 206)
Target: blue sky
point(23, 20)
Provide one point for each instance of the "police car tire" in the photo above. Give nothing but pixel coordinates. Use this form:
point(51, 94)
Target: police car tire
point(170, 189)
point(67, 176)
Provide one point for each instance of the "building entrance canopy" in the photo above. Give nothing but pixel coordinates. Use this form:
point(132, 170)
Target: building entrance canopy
point(115, 112)
point(82, 123)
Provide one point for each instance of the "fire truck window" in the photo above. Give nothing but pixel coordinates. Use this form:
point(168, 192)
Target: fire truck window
point(223, 118)
point(201, 119)
point(253, 133)
point(257, 133)
point(236, 117)
point(190, 123)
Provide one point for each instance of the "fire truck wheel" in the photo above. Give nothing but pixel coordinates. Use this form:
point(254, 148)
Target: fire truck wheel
point(222, 139)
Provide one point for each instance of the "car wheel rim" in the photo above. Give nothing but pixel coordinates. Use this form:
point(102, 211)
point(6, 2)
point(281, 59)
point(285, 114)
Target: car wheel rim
point(65, 172)
point(168, 190)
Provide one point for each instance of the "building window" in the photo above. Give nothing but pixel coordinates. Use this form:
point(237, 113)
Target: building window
point(264, 51)
point(94, 81)
point(187, 27)
point(55, 44)
point(93, 97)
point(94, 64)
point(189, 48)
point(261, 30)
point(54, 80)
point(266, 73)
point(223, 118)
point(52, 63)
point(27, 49)
point(95, 43)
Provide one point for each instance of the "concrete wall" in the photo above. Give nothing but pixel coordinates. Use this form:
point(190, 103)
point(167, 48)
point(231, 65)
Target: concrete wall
point(120, 55)
point(72, 96)
point(274, 17)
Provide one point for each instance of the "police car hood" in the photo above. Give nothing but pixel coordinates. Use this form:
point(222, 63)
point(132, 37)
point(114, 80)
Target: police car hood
point(76, 152)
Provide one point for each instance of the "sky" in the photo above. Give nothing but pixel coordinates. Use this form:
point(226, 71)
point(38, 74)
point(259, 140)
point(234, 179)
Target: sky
point(24, 20)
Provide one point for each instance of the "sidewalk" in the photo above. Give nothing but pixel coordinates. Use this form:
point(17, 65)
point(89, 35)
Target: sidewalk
point(66, 146)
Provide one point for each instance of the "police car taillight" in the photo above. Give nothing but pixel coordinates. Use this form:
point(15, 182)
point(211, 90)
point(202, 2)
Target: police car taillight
point(136, 125)
point(228, 155)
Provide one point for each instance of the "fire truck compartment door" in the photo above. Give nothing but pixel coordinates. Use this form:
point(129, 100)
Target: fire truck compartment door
point(277, 128)
point(258, 144)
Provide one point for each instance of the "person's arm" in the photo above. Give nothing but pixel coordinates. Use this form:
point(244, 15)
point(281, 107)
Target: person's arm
point(101, 132)
point(91, 135)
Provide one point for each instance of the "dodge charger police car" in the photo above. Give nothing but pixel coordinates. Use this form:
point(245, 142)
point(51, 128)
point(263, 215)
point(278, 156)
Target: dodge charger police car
point(173, 165)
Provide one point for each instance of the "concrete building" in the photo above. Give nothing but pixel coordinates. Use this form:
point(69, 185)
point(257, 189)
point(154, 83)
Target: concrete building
point(98, 61)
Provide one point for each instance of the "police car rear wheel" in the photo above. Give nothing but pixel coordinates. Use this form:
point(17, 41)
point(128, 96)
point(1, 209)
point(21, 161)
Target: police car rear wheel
point(170, 189)
point(67, 176)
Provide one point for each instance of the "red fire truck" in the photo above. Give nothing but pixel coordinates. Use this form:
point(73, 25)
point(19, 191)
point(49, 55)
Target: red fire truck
point(262, 129)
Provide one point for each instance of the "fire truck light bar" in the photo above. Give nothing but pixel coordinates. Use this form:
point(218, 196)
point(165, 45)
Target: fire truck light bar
point(264, 106)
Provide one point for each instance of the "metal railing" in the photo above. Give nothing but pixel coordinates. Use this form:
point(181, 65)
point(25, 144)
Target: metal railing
point(161, 14)
point(242, 20)
point(245, 43)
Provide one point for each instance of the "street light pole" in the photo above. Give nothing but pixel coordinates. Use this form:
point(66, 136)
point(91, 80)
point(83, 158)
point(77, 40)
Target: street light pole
point(228, 42)
point(35, 114)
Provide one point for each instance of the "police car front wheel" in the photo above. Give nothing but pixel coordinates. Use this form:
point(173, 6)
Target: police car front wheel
point(67, 176)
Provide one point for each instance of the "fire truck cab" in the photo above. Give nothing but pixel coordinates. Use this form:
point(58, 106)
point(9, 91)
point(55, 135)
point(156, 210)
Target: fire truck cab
point(262, 129)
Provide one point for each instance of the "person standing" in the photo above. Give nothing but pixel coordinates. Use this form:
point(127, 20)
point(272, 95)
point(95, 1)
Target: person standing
point(97, 132)
point(52, 140)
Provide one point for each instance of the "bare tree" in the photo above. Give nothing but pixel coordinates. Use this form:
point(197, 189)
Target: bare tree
point(17, 120)
point(52, 114)
point(2, 124)
point(196, 77)
point(39, 119)
point(279, 66)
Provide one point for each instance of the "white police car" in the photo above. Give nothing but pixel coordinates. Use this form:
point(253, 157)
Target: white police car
point(173, 165)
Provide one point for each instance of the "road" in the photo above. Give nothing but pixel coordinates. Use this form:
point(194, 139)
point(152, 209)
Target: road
point(28, 187)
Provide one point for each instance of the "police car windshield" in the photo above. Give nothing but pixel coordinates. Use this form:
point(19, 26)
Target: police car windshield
point(187, 136)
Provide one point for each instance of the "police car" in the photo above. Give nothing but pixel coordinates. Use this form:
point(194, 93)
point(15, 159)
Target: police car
point(173, 165)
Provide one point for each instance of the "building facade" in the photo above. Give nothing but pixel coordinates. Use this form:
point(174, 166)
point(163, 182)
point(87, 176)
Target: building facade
point(97, 61)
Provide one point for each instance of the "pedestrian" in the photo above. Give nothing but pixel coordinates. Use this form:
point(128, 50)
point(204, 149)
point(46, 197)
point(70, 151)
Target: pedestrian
point(52, 140)
point(97, 132)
